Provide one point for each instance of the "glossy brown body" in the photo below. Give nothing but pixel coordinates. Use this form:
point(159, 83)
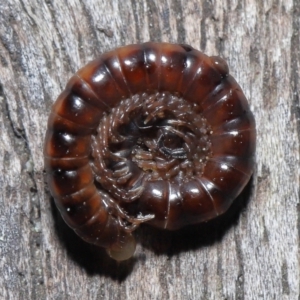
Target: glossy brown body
point(100, 86)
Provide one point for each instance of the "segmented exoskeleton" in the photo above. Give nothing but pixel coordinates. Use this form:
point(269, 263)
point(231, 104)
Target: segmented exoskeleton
point(157, 133)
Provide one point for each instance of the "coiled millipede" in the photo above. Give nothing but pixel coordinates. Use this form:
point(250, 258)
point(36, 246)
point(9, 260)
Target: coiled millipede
point(153, 133)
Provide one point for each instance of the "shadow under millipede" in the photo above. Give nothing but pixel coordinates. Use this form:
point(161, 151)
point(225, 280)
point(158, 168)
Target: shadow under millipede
point(95, 260)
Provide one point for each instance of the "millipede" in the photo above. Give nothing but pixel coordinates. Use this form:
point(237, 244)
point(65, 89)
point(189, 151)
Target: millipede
point(154, 133)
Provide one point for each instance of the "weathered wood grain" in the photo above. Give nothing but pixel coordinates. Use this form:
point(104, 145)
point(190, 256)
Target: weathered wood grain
point(250, 253)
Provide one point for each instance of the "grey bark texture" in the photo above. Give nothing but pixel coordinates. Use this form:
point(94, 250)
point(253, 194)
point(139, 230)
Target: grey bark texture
point(250, 253)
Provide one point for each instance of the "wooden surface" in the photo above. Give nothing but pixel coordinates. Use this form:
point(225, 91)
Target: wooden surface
point(250, 253)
